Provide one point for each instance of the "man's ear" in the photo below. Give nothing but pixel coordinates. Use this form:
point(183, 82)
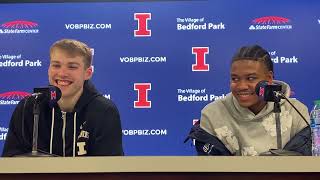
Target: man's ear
point(270, 77)
point(88, 73)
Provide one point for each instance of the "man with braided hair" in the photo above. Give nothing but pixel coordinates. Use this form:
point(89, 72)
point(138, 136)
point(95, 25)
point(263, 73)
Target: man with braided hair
point(244, 124)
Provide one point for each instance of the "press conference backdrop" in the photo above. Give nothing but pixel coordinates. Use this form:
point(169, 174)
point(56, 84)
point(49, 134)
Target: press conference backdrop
point(161, 62)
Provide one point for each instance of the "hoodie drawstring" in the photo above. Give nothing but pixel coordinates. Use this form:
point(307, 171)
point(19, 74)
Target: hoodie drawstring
point(63, 132)
point(64, 121)
point(74, 133)
point(52, 125)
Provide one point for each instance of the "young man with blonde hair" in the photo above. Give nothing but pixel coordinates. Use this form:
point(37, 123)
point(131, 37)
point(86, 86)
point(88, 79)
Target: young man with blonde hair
point(83, 123)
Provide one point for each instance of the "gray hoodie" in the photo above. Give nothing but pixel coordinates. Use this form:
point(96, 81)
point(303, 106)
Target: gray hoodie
point(247, 134)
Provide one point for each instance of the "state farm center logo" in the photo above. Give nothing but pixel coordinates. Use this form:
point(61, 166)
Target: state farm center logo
point(19, 27)
point(13, 97)
point(270, 23)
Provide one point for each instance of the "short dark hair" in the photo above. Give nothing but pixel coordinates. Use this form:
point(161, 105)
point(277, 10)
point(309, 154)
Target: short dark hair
point(254, 53)
point(74, 48)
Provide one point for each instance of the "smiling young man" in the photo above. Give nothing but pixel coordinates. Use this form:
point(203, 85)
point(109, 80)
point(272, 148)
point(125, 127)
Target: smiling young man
point(69, 71)
point(245, 75)
point(83, 123)
point(244, 124)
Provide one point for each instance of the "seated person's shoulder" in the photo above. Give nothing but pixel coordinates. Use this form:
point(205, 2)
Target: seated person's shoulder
point(301, 108)
point(214, 106)
point(298, 104)
point(101, 103)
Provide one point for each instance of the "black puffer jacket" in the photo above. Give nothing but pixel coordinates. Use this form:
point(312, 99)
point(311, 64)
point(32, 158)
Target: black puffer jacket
point(207, 144)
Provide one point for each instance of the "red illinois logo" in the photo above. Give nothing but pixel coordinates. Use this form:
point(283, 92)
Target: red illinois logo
point(142, 90)
point(142, 19)
point(200, 53)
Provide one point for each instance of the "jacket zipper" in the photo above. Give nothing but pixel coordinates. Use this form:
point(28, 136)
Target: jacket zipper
point(64, 120)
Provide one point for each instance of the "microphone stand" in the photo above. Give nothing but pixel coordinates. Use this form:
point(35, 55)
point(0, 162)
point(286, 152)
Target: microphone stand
point(277, 111)
point(35, 152)
point(279, 151)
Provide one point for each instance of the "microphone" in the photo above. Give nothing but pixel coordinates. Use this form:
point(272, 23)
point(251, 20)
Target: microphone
point(272, 92)
point(268, 92)
point(52, 94)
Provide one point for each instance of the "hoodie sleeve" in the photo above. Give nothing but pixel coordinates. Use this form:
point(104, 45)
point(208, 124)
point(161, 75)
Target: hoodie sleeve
point(107, 132)
point(298, 122)
point(14, 144)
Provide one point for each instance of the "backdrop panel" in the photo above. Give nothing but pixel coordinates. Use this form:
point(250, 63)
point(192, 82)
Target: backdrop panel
point(161, 62)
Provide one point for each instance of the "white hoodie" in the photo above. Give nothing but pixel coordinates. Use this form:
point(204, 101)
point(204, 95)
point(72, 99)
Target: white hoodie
point(247, 134)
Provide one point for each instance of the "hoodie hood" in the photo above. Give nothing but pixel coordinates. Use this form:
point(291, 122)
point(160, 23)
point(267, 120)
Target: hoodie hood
point(88, 94)
point(244, 114)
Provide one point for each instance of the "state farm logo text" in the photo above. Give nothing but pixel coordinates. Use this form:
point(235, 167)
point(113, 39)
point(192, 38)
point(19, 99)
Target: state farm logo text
point(12, 97)
point(270, 23)
point(19, 27)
